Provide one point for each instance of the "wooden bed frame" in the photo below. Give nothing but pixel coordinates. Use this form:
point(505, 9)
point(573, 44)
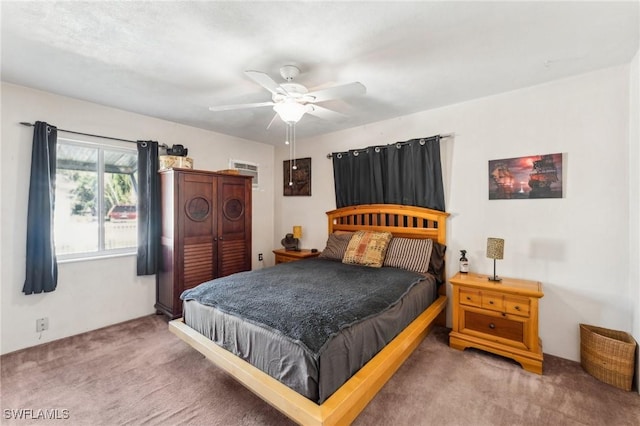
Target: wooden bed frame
point(353, 396)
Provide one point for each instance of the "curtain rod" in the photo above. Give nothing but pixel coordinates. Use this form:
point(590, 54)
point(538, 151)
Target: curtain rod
point(24, 123)
point(446, 135)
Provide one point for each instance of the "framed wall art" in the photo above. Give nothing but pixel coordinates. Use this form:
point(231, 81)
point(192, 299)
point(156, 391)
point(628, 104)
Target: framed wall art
point(535, 176)
point(297, 176)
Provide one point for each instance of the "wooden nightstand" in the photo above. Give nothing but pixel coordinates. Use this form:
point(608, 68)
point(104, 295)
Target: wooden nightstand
point(499, 317)
point(283, 255)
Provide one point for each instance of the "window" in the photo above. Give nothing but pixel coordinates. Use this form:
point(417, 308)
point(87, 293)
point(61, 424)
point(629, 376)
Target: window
point(96, 198)
point(247, 169)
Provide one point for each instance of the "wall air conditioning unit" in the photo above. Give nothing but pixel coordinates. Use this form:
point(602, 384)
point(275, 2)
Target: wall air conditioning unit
point(246, 168)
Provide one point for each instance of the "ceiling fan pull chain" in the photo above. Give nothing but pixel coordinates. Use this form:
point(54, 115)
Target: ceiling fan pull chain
point(293, 142)
point(290, 142)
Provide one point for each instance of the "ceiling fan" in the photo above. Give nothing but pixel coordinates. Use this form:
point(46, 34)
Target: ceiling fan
point(292, 100)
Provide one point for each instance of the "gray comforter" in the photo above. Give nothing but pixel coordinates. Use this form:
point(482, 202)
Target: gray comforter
point(307, 301)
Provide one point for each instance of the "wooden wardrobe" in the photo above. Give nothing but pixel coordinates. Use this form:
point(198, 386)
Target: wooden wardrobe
point(206, 232)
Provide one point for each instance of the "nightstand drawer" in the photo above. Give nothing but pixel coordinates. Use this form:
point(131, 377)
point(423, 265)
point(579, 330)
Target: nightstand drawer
point(494, 326)
point(517, 305)
point(493, 301)
point(470, 297)
point(284, 259)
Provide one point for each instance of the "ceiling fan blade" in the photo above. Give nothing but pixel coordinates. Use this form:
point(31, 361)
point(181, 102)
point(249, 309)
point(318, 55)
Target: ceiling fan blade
point(335, 92)
point(240, 106)
point(272, 120)
point(265, 81)
point(325, 113)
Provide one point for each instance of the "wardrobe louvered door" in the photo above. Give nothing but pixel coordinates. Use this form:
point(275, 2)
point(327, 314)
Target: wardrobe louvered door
point(197, 228)
point(206, 231)
point(234, 225)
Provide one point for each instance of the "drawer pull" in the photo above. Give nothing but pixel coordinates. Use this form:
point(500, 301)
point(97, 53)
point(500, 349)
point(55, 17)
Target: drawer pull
point(492, 326)
point(491, 302)
point(468, 298)
point(517, 308)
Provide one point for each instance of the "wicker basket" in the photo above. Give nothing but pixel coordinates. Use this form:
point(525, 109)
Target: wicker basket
point(608, 355)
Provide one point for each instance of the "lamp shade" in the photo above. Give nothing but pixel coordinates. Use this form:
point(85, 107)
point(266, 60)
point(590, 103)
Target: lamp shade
point(297, 231)
point(290, 111)
point(495, 248)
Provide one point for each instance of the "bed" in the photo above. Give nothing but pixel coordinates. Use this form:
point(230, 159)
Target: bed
point(336, 401)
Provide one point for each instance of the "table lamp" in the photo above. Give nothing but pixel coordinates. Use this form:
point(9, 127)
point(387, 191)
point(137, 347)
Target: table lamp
point(495, 250)
point(297, 234)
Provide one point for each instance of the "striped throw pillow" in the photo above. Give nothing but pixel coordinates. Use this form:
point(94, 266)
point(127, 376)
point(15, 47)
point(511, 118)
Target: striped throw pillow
point(367, 248)
point(409, 253)
point(336, 246)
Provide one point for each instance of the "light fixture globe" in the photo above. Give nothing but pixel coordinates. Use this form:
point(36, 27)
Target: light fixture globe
point(290, 111)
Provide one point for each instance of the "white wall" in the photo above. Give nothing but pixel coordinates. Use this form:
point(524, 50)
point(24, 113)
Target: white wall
point(94, 294)
point(576, 246)
point(634, 199)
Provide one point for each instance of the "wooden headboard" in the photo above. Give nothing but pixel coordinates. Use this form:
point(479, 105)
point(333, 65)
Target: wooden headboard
point(401, 221)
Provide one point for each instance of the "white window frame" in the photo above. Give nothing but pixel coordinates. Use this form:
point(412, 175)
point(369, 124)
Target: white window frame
point(101, 253)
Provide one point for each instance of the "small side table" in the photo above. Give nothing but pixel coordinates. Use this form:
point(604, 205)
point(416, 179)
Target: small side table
point(499, 317)
point(283, 255)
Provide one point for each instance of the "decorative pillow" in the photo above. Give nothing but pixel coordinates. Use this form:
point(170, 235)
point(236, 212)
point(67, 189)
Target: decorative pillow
point(367, 248)
point(336, 246)
point(409, 253)
point(436, 263)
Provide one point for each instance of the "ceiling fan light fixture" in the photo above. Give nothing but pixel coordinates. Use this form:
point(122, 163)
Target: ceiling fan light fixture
point(290, 112)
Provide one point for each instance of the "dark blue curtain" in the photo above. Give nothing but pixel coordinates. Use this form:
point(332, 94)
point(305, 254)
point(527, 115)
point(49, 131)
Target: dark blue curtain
point(149, 208)
point(41, 265)
point(407, 173)
point(359, 176)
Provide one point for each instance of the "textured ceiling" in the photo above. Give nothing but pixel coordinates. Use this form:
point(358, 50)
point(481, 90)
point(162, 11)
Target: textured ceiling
point(172, 60)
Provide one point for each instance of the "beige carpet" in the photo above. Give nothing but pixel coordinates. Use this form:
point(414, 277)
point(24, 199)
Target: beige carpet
point(137, 373)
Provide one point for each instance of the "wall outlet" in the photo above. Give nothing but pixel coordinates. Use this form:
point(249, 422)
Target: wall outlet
point(260, 258)
point(42, 324)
